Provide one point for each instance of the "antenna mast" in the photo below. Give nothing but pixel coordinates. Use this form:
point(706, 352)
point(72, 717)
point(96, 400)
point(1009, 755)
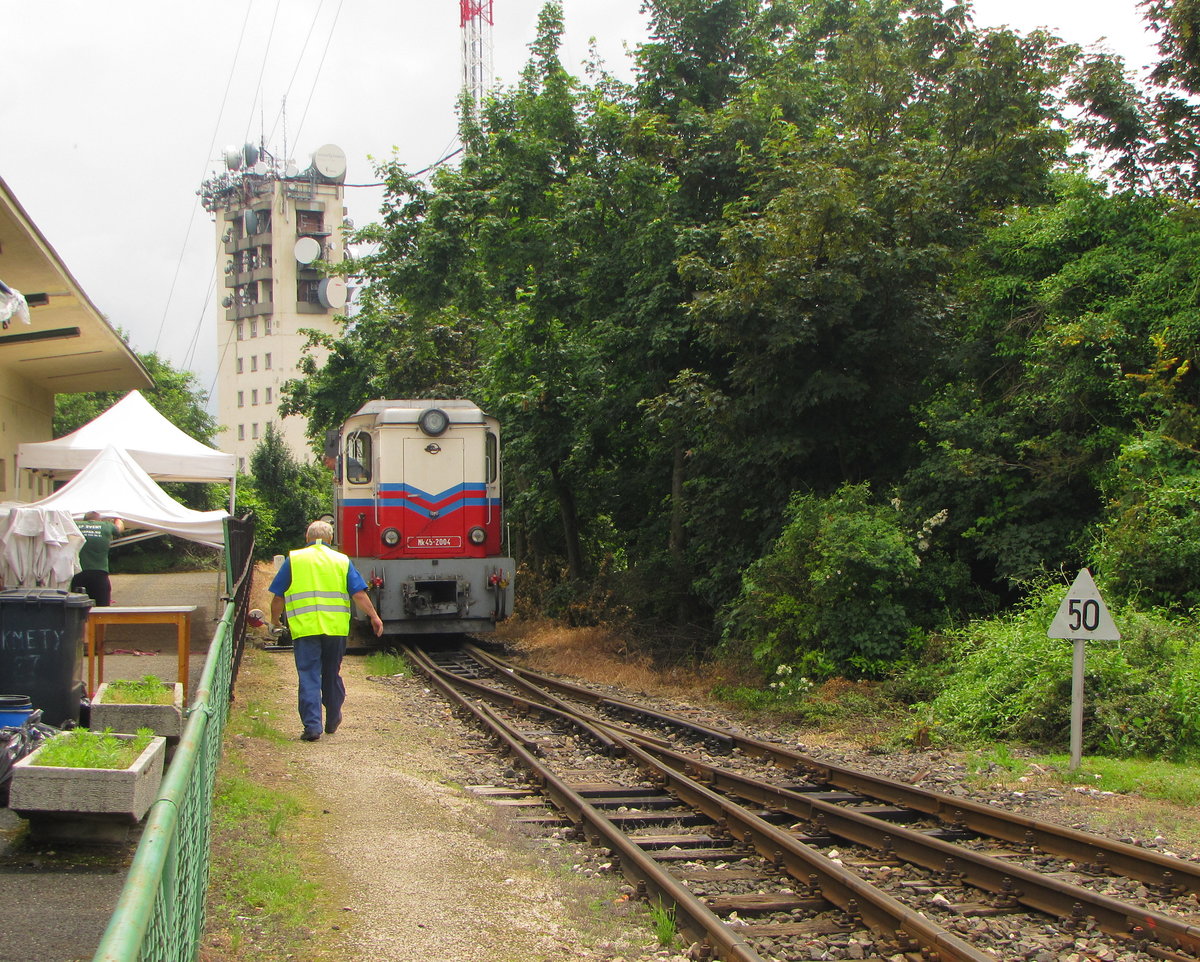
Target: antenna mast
point(476, 49)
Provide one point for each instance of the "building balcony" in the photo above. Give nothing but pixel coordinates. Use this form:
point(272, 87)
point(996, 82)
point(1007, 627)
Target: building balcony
point(258, 309)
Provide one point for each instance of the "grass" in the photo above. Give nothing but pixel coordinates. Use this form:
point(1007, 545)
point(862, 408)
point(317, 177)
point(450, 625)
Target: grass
point(387, 663)
point(662, 921)
point(1150, 778)
point(147, 690)
point(80, 748)
point(267, 899)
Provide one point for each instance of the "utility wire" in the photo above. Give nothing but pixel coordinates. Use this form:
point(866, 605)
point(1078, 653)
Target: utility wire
point(263, 69)
point(299, 60)
point(211, 144)
point(320, 65)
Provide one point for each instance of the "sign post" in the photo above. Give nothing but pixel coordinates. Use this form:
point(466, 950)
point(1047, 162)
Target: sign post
point(1083, 616)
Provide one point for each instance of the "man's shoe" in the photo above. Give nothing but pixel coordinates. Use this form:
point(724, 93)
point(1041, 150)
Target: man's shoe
point(309, 736)
point(331, 723)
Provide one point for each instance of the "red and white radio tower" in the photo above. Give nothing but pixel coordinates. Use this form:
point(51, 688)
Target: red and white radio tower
point(477, 49)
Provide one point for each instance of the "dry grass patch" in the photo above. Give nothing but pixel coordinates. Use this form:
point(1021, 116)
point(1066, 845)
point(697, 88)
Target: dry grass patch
point(601, 656)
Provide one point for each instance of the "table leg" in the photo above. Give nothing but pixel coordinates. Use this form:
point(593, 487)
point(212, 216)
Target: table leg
point(90, 634)
point(183, 631)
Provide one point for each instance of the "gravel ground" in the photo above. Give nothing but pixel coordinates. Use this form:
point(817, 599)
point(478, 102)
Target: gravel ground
point(396, 833)
point(427, 870)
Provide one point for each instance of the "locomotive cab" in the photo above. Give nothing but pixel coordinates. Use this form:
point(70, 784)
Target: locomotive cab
point(418, 509)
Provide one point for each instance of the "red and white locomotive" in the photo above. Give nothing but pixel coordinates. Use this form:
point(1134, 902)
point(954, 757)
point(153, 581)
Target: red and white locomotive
point(417, 508)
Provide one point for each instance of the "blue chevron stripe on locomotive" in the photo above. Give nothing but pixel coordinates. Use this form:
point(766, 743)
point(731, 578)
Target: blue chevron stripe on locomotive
point(422, 503)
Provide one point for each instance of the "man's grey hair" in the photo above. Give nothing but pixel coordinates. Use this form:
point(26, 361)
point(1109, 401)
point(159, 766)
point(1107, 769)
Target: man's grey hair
point(319, 531)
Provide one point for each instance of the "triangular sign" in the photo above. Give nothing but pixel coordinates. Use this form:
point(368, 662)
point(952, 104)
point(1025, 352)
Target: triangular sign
point(1083, 614)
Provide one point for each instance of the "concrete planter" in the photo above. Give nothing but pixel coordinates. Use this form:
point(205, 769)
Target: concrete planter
point(166, 720)
point(123, 795)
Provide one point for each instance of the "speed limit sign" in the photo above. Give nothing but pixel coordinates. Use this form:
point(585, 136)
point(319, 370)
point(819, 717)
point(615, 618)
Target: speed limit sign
point(1082, 617)
point(1083, 614)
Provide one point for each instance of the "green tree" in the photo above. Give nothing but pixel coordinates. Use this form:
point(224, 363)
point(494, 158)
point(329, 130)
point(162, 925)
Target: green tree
point(1070, 311)
point(296, 493)
point(832, 595)
point(176, 395)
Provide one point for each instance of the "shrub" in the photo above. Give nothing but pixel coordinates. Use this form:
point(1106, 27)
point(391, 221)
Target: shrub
point(829, 597)
point(1006, 679)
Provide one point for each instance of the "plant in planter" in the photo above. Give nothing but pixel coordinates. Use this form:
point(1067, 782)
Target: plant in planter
point(128, 705)
point(80, 775)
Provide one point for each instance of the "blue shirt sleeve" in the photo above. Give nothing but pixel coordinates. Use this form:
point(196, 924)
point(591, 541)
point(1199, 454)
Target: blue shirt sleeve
point(283, 579)
point(354, 581)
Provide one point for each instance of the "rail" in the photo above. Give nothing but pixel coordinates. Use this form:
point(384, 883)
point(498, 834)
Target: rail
point(750, 809)
point(160, 913)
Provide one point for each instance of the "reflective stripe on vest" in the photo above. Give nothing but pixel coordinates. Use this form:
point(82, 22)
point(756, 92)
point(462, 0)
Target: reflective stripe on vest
point(316, 601)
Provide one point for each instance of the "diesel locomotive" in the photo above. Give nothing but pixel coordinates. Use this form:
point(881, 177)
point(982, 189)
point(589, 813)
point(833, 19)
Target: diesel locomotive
point(417, 508)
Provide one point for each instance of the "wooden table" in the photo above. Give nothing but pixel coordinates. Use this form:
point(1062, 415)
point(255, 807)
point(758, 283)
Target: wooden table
point(98, 618)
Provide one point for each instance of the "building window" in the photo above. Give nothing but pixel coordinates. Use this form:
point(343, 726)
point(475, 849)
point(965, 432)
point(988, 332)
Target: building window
point(310, 222)
point(254, 396)
point(266, 327)
point(253, 327)
point(307, 292)
point(254, 362)
point(268, 397)
point(254, 430)
point(239, 365)
point(241, 399)
point(265, 293)
point(241, 432)
point(267, 361)
point(241, 465)
point(241, 331)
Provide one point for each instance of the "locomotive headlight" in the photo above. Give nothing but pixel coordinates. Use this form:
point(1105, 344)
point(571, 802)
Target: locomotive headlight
point(477, 535)
point(391, 537)
point(433, 422)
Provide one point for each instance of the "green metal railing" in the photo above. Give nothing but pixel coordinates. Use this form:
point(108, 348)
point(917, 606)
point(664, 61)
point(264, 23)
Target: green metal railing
point(160, 913)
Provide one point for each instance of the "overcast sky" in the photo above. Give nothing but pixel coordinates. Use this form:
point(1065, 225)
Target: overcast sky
point(127, 106)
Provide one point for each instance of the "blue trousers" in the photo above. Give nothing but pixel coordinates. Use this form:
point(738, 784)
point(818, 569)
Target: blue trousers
point(319, 667)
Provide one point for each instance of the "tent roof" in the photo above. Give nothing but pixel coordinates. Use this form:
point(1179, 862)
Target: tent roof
point(117, 487)
point(163, 451)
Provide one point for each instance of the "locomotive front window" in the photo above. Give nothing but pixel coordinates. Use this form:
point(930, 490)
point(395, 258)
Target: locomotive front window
point(357, 465)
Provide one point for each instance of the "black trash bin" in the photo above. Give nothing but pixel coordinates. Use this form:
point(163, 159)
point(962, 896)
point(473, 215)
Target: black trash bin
point(42, 634)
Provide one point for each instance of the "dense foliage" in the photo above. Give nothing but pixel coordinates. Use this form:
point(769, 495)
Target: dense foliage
point(816, 335)
point(1005, 679)
point(284, 494)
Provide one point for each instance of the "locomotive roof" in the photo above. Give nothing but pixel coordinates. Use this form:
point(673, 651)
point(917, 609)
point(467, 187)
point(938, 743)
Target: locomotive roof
point(408, 410)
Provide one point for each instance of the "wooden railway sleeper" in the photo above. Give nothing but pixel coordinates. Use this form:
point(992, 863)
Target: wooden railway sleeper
point(880, 912)
point(692, 916)
point(1043, 893)
point(1121, 858)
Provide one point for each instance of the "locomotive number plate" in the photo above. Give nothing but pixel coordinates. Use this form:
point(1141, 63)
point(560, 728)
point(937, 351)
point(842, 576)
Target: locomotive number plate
point(442, 542)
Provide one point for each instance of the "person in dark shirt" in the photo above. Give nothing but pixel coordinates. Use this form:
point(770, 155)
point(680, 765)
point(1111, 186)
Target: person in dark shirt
point(93, 580)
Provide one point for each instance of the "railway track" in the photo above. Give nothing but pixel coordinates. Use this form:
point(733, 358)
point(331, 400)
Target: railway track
point(761, 852)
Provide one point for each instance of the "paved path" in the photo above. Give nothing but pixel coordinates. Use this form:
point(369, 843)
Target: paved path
point(58, 898)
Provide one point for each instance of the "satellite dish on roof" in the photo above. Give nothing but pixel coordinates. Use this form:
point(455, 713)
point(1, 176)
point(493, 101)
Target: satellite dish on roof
point(233, 157)
point(307, 249)
point(227, 301)
point(291, 171)
point(331, 292)
point(261, 168)
point(250, 153)
point(251, 221)
point(330, 162)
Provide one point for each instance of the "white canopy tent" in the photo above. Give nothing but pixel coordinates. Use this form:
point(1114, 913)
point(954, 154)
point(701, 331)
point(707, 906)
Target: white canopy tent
point(163, 451)
point(39, 541)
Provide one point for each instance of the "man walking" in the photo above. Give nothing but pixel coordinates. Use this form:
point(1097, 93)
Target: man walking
point(315, 586)
point(93, 580)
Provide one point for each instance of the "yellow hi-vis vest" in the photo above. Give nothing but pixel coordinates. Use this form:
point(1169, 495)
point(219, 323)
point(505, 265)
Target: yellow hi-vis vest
point(316, 601)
